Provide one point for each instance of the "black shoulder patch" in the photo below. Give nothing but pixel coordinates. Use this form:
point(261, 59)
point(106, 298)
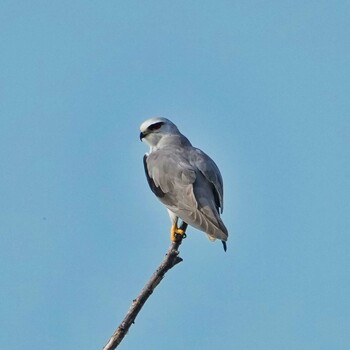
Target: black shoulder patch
point(216, 198)
point(156, 190)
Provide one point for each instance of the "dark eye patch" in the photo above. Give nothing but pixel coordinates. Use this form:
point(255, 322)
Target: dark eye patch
point(155, 126)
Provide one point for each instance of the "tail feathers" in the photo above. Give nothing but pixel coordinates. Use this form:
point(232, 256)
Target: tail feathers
point(223, 242)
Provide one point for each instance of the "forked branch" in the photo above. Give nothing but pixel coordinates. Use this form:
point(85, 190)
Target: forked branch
point(171, 259)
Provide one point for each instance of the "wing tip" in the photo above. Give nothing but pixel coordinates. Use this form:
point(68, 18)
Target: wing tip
point(224, 245)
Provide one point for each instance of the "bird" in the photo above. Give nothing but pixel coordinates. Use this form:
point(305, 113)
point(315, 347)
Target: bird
point(185, 179)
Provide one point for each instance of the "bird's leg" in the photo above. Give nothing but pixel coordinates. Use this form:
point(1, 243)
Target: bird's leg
point(176, 232)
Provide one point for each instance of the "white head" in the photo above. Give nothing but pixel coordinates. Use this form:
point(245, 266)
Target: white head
point(154, 129)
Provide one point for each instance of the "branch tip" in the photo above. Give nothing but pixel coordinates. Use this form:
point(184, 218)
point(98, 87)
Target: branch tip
point(171, 259)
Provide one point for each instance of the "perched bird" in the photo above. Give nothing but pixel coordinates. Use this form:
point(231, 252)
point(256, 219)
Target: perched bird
point(184, 179)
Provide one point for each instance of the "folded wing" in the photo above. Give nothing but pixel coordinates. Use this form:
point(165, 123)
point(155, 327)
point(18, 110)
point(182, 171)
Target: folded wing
point(189, 183)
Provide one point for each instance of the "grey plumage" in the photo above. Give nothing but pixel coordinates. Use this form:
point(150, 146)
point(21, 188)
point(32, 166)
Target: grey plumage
point(184, 178)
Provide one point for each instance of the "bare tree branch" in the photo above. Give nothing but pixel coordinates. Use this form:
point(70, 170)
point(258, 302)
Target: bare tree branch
point(171, 259)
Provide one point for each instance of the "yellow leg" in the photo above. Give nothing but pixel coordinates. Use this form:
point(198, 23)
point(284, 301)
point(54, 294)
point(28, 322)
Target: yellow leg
point(176, 233)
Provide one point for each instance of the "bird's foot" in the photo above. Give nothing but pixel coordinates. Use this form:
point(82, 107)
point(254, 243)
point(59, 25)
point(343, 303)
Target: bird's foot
point(177, 233)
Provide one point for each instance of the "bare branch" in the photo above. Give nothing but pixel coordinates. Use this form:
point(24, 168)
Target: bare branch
point(171, 259)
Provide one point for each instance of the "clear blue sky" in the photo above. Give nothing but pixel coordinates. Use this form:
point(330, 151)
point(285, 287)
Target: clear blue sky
point(261, 86)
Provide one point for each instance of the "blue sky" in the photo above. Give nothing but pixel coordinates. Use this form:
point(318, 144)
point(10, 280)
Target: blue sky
point(261, 86)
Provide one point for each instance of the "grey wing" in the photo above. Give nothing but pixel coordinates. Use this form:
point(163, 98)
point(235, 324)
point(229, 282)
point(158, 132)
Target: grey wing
point(170, 177)
point(155, 189)
point(190, 185)
point(212, 173)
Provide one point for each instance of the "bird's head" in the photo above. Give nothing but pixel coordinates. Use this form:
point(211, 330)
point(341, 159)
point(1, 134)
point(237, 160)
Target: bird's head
point(154, 129)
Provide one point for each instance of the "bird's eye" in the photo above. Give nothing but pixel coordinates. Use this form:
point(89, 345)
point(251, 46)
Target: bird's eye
point(155, 126)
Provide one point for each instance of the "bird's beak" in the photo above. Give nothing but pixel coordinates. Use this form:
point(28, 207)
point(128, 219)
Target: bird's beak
point(142, 135)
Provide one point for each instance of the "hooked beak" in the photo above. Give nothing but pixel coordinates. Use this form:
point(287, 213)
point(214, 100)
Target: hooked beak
point(142, 135)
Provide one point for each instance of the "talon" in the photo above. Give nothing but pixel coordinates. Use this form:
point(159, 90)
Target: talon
point(177, 233)
point(179, 236)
